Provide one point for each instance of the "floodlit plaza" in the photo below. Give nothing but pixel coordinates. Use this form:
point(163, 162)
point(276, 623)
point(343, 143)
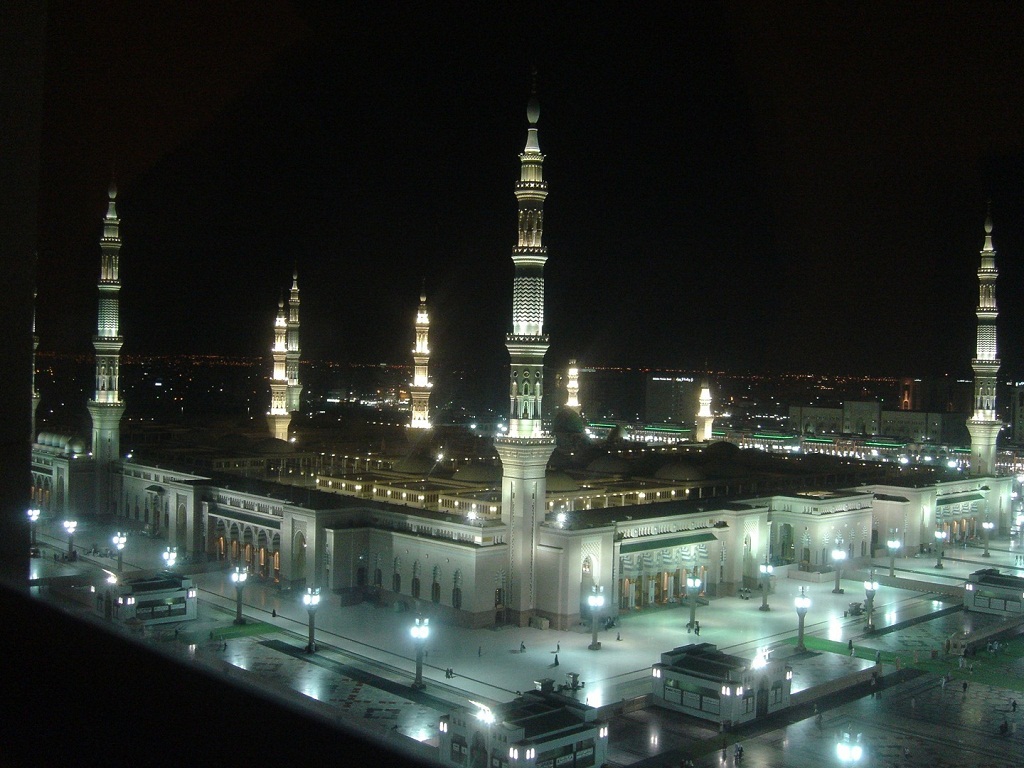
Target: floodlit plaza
point(362, 672)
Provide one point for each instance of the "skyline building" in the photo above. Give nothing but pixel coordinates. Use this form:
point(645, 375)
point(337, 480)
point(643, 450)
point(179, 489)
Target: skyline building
point(419, 391)
point(106, 407)
point(525, 450)
point(983, 425)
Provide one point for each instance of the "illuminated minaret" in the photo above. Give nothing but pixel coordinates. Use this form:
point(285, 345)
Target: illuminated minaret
point(106, 407)
point(705, 419)
point(279, 418)
point(420, 389)
point(35, 347)
point(983, 425)
point(525, 450)
point(572, 386)
point(291, 356)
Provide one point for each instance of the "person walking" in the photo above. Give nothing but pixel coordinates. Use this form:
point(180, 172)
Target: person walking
point(965, 687)
point(556, 659)
point(558, 647)
point(1013, 705)
point(522, 647)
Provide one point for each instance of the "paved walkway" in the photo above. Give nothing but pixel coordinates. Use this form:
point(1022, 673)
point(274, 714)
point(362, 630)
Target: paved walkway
point(366, 659)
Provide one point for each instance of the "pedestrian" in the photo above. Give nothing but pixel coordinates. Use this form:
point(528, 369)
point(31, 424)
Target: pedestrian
point(556, 659)
point(878, 657)
point(558, 647)
point(273, 612)
point(965, 687)
point(1013, 705)
point(522, 647)
point(479, 651)
point(618, 635)
point(849, 645)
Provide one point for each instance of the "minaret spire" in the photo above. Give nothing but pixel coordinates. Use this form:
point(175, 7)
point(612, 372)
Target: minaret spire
point(420, 389)
point(572, 387)
point(984, 425)
point(106, 407)
point(705, 418)
point(525, 450)
point(279, 418)
point(294, 404)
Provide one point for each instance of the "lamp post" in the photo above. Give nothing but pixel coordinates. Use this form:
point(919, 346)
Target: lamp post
point(766, 574)
point(238, 576)
point(893, 544)
point(692, 588)
point(596, 602)
point(987, 527)
point(311, 600)
point(803, 602)
point(870, 587)
point(120, 540)
point(420, 631)
point(838, 555)
point(170, 556)
point(70, 526)
point(848, 749)
point(33, 518)
point(940, 536)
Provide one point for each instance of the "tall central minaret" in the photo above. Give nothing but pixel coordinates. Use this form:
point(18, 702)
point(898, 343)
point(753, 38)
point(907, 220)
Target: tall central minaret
point(106, 408)
point(525, 451)
point(291, 355)
point(279, 418)
point(420, 389)
point(983, 425)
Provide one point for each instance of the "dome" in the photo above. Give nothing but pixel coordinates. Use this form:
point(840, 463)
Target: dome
point(478, 473)
point(609, 465)
point(414, 465)
point(680, 471)
point(76, 445)
point(559, 482)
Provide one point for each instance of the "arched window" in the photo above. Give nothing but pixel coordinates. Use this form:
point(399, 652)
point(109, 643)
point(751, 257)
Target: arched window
point(415, 586)
point(457, 598)
point(396, 583)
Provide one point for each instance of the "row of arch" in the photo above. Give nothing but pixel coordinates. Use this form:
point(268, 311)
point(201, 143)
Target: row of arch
point(257, 548)
point(366, 577)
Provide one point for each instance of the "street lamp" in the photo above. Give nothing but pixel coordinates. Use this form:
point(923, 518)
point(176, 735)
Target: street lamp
point(987, 527)
point(170, 556)
point(119, 540)
point(838, 555)
point(893, 544)
point(940, 536)
point(420, 631)
point(766, 574)
point(803, 602)
point(238, 576)
point(311, 600)
point(596, 602)
point(848, 749)
point(33, 518)
point(870, 587)
point(692, 588)
point(70, 526)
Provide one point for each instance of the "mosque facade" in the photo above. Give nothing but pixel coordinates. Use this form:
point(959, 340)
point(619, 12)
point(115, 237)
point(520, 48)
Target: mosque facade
point(482, 553)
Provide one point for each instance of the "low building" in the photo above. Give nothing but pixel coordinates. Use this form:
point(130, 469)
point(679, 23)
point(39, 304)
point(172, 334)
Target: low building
point(702, 681)
point(158, 598)
point(541, 729)
point(989, 591)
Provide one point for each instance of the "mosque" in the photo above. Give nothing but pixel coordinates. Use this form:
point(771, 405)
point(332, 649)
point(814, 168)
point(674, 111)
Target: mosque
point(517, 542)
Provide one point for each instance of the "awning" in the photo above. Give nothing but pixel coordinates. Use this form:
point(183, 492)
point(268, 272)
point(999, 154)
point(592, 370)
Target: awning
point(675, 541)
point(958, 499)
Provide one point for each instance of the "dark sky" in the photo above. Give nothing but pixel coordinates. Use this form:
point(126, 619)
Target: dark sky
point(765, 187)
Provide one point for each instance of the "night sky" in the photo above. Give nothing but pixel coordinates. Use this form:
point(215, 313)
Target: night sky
point(758, 187)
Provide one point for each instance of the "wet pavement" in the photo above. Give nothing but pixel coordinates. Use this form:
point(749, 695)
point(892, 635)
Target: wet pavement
point(365, 662)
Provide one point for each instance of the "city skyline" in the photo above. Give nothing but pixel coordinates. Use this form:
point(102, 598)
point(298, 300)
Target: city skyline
point(664, 162)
